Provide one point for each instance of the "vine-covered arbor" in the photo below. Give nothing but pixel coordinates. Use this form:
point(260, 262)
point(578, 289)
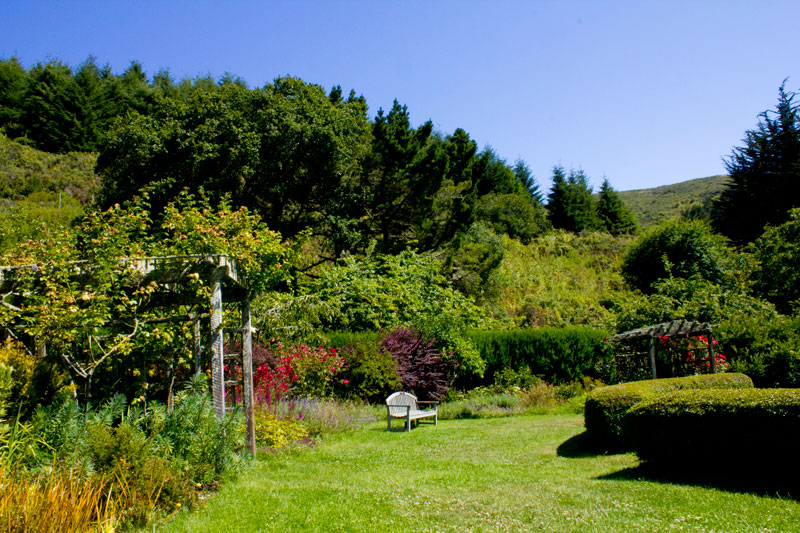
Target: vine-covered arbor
point(667, 330)
point(167, 274)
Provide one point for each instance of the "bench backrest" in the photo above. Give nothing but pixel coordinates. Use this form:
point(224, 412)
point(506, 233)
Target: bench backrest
point(398, 400)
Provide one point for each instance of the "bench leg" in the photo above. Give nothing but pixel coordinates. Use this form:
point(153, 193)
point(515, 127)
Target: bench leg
point(408, 423)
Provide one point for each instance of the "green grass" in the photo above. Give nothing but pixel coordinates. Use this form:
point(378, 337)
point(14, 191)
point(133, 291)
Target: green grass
point(506, 474)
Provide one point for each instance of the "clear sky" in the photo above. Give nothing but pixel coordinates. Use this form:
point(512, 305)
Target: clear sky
point(645, 93)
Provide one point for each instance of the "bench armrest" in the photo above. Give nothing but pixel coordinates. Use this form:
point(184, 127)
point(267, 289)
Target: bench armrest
point(431, 402)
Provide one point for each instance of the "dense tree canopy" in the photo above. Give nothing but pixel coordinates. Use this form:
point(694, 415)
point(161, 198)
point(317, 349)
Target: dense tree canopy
point(764, 174)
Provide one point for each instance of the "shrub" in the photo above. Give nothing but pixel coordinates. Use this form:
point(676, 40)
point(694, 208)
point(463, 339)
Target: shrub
point(419, 364)
point(681, 248)
point(557, 355)
point(481, 406)
point(606, 406)
point(755, 429)
point(371, 373)
point(272, 432)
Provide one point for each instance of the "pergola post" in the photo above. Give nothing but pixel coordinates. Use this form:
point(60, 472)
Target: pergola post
point(247, 376)
point(197, 346)
point(217, 349)
point(711, 354)
point(653, 357)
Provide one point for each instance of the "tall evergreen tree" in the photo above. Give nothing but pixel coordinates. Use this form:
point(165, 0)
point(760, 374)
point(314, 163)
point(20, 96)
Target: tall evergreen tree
point(764, 174)
point(13, 81)
point(614, 215)
point(524, 176)
point(570, 202)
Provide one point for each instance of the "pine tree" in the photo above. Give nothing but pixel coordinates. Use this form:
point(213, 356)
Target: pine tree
point(614, 215)
point(764, 174)
point(571, 205)
point(524, 176)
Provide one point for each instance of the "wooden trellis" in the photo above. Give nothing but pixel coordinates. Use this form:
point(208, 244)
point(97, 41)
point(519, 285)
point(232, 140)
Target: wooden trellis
point(675, 328)
point(220, 272)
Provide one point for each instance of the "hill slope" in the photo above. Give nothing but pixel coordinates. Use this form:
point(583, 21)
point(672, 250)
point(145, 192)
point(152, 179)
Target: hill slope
point(651, 206)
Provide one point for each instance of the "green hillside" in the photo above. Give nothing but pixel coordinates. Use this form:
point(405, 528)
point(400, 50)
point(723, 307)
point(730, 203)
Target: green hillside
point(41, 191)
point(651, 206)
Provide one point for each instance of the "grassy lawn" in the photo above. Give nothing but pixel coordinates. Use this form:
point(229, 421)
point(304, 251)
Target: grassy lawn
point(508, 474)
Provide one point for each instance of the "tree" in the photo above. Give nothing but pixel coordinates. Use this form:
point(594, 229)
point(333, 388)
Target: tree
point(570, 202)
point(680, 249)
point(13, 81)
point(523, 174)
point(778, 274)
point(614, 215)
point(286, 151)
point(764, 174)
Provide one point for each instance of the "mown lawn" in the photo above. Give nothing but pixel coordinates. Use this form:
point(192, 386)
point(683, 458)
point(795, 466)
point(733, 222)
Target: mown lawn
point(509, 474)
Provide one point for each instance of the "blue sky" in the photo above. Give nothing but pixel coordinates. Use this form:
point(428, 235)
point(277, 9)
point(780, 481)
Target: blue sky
point(645, 93)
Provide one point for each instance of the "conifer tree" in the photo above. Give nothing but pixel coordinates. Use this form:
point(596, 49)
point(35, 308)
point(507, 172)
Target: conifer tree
point(614, 215)
point(570, 202)
point(764, 174)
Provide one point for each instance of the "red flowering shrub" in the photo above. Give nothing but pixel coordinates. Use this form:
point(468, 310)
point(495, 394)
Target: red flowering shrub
point(693, 352)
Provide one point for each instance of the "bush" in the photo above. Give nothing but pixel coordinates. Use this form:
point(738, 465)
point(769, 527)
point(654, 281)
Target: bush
point(557, 355)
point(681, 248)
point(419, 365)
point(370, 373)
point(606, 406)
point(756, 430)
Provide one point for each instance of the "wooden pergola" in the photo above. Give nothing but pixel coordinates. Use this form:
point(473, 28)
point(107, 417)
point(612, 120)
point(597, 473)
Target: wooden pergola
point(220, 272)
point(675, 328)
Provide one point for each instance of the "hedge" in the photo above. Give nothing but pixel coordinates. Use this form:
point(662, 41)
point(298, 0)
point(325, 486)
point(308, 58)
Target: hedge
point(605, 407)
point(753, 429)
point(557, 355)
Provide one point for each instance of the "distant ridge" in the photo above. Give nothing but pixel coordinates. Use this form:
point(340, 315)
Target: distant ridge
point(652, 206)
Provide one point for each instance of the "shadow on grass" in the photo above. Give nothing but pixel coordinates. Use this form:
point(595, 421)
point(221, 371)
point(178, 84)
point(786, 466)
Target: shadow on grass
point(582, 445)
point(731, 479)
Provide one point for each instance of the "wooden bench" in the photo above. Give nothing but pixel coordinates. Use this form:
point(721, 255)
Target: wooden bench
point(404, 406)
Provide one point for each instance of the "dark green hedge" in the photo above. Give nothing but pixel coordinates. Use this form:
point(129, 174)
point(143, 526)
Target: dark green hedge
point(606, 406)
point(557, 355)
point(751, 428)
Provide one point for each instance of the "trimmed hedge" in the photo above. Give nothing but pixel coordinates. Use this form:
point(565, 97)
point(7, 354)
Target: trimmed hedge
point(754, 429)
point(606, 406)
point(557, 355)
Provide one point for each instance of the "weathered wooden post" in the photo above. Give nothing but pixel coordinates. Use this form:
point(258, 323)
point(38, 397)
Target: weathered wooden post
point(247, 376)
point(653, 357)
point(197, 347)
point(711, 353)
point(217, 348)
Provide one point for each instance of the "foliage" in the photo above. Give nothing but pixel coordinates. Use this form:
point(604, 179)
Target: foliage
point(606, 407)
point(777, 277)
point(420, 365)
point(614, 215)
point(93, 318)
point(512, 214)
point(61, 501)
point(25, 171)
point(381, 292)
point(682, 249)
point(653, 206)
point(287, 151)
point(274, 433)
point(757, 426)
point(562, 279)
point(33, 380)
point(555, 355)
point(370, 373)
point(764, 174)
point(570, 203)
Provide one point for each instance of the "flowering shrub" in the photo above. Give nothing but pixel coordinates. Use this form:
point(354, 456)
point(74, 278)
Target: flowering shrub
point(694, 352)
point(301, 370)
